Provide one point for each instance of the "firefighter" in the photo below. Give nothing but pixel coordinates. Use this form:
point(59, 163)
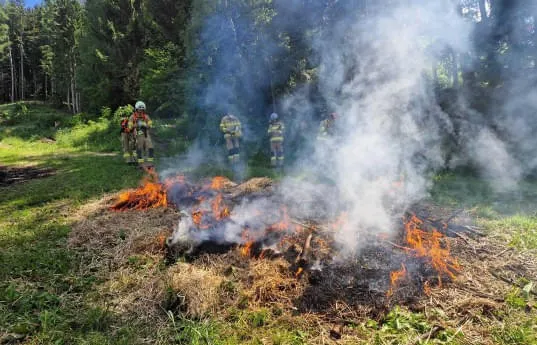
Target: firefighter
point(140, 123)
point(326, 129)
point(231, 127)
point(275, 131)
point(127, 142)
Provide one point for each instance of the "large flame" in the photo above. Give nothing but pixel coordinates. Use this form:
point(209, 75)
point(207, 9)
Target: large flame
point(149, 195)
point(428, 245)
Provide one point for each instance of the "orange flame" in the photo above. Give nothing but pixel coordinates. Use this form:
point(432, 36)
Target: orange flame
point(246, 249)
point(219, 211)
point(427, 288)
point(218, 182)
point(149, 195)
point(299, 272)
point(197, 217)
point(428, 245)
point(395, 277)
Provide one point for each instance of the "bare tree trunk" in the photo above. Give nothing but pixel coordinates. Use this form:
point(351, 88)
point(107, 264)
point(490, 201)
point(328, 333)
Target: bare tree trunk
point(483, 11)
point(68, 92)
point(12, 96)
point(73, 101)
point(22, 70)
point(455, 69)
point(435, 72)
point(75, 93)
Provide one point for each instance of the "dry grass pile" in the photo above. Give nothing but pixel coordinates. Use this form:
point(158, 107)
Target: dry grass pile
point(272, 282)
point(107, 237)
point(198, 289)
point(254, 185)
point(137, 291)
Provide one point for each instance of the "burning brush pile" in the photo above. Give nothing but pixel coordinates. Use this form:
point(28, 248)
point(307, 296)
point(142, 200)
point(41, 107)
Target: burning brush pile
point(246, 247)
point(219, 217)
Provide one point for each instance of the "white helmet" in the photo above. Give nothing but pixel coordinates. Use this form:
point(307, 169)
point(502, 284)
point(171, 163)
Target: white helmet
point(139, 105)
point(273, 117)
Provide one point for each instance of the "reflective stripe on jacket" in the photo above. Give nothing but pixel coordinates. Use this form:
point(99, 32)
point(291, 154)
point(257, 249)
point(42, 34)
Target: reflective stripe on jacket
point(133, 119)
point(230, 125)
point(275, 131)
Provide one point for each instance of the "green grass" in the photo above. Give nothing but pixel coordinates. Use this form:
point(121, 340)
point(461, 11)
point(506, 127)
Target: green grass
point(41, 293)
point(510, 215)
point(45, 298)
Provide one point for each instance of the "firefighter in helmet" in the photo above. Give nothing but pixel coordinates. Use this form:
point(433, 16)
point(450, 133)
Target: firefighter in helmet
point(276, 131)
point(231, 127)
point(127, 142)
point(140, 123)
point(326, 129)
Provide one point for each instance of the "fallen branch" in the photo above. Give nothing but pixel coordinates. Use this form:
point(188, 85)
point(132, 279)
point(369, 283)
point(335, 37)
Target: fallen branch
point(396, 245)
point(502, 252)
point(305, 249)
point(510, 281)
point(454, 214)
point(474, 230)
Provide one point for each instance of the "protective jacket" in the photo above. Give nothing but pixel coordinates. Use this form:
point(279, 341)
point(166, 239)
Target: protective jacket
point(326, 129)
point(231, 127)
point(276, 131)
point(139, 123)
point(124, 125)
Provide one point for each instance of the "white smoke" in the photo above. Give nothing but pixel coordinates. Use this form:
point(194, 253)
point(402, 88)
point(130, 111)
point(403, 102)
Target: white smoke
point(374, 74)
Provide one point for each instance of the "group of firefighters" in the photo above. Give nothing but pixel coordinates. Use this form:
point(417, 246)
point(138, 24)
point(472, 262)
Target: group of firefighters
point(138, 147)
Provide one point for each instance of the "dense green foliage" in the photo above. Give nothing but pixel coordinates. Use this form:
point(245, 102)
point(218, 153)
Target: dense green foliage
point(174, 54)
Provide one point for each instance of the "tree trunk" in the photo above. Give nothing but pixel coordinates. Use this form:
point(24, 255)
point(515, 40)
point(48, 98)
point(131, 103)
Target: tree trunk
point(68, 92)
point(455, 70)
point(12, 95)
point(435, 72)
point(22, 70)
point(483, 11)
point(46, 86)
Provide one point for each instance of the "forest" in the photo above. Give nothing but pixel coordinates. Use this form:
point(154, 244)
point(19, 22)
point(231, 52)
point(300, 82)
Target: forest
point(198, 58)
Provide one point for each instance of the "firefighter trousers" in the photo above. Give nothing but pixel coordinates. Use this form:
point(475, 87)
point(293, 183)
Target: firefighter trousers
point(232, 145)
point(276, 151)
point(144, 148)
point(127, 145)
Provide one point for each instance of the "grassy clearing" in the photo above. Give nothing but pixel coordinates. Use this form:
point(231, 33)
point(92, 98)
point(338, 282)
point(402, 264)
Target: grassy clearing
point(41, 293)
point(46, 297)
